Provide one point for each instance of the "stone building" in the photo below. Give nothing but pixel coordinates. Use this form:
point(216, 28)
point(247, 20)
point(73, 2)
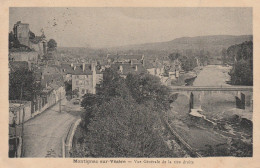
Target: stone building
point(85, 77)
point(125, 69)
point(125, 58)
point(21, 32)
point(17, 109)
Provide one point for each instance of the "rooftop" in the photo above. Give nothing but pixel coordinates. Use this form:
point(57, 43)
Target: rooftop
point(152, 64)
point(77, 69)
point(128, 68)
point(125, 56)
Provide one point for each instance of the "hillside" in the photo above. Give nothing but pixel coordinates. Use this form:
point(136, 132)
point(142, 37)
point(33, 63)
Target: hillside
point(198, 43)
point(211, 44)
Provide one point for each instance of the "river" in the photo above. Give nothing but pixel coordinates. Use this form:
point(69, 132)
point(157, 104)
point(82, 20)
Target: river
point(213, 75)
point(230, 136)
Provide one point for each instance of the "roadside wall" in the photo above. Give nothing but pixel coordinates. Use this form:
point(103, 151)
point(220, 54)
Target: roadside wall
point(24, 56)
point(16, 109)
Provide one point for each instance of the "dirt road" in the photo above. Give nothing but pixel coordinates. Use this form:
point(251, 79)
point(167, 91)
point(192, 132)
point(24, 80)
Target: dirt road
point(45, 132)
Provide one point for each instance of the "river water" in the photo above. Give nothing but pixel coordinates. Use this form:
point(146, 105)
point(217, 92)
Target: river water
point(213, 75)
point(229, 136)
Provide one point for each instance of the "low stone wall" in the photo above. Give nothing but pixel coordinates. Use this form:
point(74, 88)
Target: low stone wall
point(24, 56)
point(69, 138)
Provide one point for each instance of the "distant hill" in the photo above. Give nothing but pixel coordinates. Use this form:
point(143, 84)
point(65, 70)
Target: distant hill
point(183, 43)
point(212, 44)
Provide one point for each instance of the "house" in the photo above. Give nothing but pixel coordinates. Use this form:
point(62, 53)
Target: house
point(16, 110)
point(19, 112)
point(85, 77)
point(125, 58)
point(154, 67)
point(53, 89)
point(67, 71)
point(39, 44)
point(175, 69)
point(125, 69)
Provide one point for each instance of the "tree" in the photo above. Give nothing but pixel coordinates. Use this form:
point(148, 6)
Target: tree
point(52, 45)
point(203, 56)
point(122, 128)
point(113, 85)
point(89, 102)
point(110, 87)
point(188, 63)
point(23, 80)
point(68, 88)
point(146, 87)
point(75, 92)
point(242, 57)
point(224, 55)
point(123, 118)
point(174, 56)
point(31, 35)
point(242, 73)
point(13, 42)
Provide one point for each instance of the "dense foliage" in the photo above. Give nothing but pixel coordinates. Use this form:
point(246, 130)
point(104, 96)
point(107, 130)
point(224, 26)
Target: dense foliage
point(189, 60)
point(124, 118)
point(52, 45)
point(22, 85)
point(242, 57)
point(14, 44)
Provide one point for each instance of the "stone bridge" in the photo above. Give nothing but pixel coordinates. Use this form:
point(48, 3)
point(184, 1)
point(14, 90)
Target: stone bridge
point(242, 94)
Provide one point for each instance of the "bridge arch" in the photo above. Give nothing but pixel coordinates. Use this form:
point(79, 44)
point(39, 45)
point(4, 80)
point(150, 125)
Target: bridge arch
point(186, 94)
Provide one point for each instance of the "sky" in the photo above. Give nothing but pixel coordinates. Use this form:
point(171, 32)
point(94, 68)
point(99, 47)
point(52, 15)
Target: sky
point(109, 27)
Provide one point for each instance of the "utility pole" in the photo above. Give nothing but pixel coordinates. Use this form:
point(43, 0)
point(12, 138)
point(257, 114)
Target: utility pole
point(22, 133)
point(15, 138)
point(22, 119)
point(60, 103)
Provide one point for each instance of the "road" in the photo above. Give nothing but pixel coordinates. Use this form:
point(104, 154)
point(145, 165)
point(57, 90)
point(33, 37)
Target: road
point(45, 131)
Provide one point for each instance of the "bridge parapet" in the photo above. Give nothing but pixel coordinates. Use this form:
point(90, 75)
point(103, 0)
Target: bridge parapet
point(243, 94)
point(212, 88)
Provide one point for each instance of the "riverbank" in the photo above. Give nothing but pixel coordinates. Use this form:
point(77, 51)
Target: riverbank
point(231, 135)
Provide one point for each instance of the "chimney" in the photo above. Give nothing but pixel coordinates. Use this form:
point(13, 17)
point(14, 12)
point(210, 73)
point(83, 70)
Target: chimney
point(131, 62)
point(71, 65)
point(83, 67)
point(93, 66)
point(143, 59)
point(29, 66)
point(74, 68)
point(44, 47)
point(136, 68)
point(121, 68)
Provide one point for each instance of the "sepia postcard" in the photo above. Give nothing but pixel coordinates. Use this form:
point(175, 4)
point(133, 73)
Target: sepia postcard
point(130, 84)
